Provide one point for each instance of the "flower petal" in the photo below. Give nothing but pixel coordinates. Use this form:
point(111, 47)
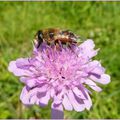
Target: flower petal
point(87, 48)
point(92, 85)
point(33, 95)
point(28, 81)
point(24, 97)
point(88, 102)
point(88, 42)
point(34, 99)
point(82, 89)
point(66, 103)
point(77, 106)
point(23, 63)
point(17, 71)
point(78, 93)
point(44, 100)
point(104, 79)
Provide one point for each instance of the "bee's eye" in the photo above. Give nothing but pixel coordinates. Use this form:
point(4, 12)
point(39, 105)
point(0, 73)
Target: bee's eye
point(51, 35)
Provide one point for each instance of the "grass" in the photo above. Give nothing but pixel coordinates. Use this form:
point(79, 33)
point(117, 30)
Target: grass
point(19, 21)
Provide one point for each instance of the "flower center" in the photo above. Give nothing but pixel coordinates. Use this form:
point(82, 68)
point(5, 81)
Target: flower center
point(63, 77)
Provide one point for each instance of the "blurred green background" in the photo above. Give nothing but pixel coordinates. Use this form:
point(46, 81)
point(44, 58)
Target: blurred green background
point(19, 21)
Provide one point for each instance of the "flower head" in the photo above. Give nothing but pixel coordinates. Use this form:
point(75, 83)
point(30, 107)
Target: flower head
point(60, 75)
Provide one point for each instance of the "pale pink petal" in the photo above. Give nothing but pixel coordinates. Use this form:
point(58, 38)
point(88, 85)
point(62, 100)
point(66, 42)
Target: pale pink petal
point(33, 95)
point(34, 99)
point(23, 63)
point(104, 79)
point(98, 70)
point(82, 89)
point(88, 43)
point(52, 92)
point(17, 71)
point(88, 102)
point(45, 99)
point(92, 85)
point(28, 81)
point(87, 48)
point(78, 93)
point(24, 97)
point(78, 107)
point(93, 67)
point(66, 103)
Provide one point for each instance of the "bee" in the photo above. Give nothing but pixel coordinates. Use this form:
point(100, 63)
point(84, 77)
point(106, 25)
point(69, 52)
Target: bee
point(57, 37)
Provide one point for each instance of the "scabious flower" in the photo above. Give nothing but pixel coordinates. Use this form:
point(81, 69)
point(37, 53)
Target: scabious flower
point(60, 75)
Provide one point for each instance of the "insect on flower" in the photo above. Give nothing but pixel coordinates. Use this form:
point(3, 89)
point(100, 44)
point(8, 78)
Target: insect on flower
point(55, 37)
point(59, 75)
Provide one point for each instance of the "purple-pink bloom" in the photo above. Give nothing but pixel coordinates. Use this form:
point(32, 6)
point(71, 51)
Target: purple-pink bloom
point(60, 75)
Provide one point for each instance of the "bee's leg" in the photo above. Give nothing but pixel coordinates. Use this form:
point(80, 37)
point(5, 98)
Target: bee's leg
point(60, 43)
point(67, 44)
point(39, 38)
point(71, 46)
point(57, 46)
point(39, 43)
point(52, 44)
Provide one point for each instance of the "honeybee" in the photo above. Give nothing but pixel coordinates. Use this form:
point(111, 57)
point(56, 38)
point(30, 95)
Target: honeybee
point(55, 36)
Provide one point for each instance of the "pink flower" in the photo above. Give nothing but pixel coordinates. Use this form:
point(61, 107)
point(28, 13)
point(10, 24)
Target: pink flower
point(60, 76)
